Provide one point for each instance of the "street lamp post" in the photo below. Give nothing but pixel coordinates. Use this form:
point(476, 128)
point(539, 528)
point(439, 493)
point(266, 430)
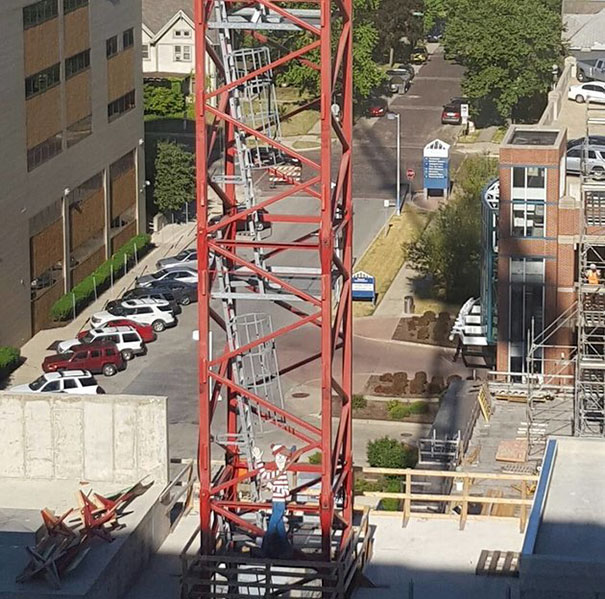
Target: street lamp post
point(396, 116)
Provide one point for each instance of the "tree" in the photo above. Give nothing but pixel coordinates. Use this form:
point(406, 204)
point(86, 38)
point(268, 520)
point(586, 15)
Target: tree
point(508, 48)
point(434, 11)
point(390, 453)
point(395, 20)
point(449, 249)
point(367, 75)
point(174, 177)
point(164, 100)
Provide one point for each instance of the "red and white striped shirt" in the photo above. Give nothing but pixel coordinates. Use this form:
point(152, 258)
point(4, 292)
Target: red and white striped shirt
point(275, 480)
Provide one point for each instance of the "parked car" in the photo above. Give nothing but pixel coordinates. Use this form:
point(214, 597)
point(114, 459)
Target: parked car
point(587, 160)
point(593, 140)
point(127, 340)
point(242, 225)
point(182, 293)
point(181, 274)
point(452, 113)
point(147, 293)
point(144, 330)
point(402, 69)
point(399, 84)
point(80, 382)
point(187, 258)
point(436, 32)
point(156, 313)
point(590, 70)
point(585, 92)
point(419, 55)
point(98, 357)
point(377, 107)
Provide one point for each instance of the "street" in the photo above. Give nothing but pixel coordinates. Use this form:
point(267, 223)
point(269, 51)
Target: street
point(170, 368)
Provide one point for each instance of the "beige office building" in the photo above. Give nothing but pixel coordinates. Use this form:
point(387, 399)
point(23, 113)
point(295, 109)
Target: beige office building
point(71, 149)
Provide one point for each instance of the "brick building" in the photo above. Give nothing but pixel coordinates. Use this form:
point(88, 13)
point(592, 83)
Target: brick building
point(70, 148)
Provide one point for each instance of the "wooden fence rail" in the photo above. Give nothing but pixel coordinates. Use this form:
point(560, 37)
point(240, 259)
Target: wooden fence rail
point(462, 500)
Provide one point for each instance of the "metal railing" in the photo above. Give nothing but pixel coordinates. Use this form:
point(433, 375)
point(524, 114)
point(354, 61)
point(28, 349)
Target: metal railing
point(177, 497)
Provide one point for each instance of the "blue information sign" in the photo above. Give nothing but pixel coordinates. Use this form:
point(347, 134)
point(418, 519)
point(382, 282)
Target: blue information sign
point(363, 286)
point(436, 172)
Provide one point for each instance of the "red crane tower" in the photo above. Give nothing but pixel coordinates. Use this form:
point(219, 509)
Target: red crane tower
point(250, 255)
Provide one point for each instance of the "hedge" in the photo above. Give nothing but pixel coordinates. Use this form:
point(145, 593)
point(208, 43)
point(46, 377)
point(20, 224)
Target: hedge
point(84, 291)
point(10, 358)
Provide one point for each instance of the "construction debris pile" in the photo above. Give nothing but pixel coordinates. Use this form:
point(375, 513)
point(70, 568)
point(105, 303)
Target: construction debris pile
point(68, 538)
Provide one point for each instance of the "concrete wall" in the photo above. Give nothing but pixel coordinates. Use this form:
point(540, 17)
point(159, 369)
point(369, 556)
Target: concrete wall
point(97, 438)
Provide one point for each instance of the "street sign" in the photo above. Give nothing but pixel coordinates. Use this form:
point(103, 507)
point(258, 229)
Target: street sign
point(363, 286)
point(464, 113)
point(410, 174)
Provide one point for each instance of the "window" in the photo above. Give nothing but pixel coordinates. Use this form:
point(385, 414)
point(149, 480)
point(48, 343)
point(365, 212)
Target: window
point(38, 13)
point(96, 353)
point(528, 201)
point(128, 39)
point(70, 5)
point(69, 384)
point(81, 355)
point(45, 151)
point(145, 49)
point(120, 106)
point(112, 46)
point(130, 338)
point(143, 311)
point(42, 81)
point(182, 33)
point(77, 63)
point(182, 53)
point(110, 352)
point(79, 130)
point(89, 381)
point(52, 386)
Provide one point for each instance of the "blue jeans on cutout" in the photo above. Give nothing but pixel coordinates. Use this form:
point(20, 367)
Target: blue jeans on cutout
point(275, 542)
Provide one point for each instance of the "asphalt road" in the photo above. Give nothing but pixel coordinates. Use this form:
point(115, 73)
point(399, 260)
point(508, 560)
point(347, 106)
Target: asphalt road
point(170, 367)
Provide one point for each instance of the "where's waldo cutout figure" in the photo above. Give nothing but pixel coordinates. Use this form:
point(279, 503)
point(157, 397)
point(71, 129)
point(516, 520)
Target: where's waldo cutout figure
point(275, 542)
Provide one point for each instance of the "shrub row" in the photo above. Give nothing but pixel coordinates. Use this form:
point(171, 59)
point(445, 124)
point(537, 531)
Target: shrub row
point(398, 384)
point(84, 291)
point(10, 358)
point(398, 410)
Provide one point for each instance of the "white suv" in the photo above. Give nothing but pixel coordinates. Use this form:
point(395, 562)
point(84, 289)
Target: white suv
point(80, 382)
point(129, 341)
point(155, 312)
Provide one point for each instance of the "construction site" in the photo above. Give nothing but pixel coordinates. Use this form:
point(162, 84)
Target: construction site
point(487, 510)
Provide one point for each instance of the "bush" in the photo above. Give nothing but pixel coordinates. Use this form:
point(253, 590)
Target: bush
point(84, 292)
point(10, 358)
point(390, 504)
point(452, 378)
point(418, 407)
point(397, 410)
point(400, 383)
point(390, 453)
point(358, 402)
point(387, 377)
point(436, 385)
point(423, 333)
point(315, 458)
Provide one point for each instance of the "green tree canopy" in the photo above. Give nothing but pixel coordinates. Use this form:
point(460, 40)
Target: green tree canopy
point(395, 20)
point(449, 249)
point(390, 453)
point(174, 177)
point(164, 100)
point(508, 48)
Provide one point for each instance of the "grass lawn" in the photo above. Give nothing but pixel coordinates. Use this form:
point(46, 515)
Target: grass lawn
point(386, 255)
point(470, 138)
point(306, 145)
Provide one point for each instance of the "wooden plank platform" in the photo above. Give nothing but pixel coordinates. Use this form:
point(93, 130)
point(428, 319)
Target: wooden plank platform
point(498, 563)
point(514, 450)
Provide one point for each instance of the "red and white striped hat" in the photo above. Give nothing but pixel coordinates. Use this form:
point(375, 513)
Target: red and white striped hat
point(277, 448)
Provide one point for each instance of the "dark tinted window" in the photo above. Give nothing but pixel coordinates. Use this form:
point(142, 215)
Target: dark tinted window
point(95, 354)
point(111, 46)
point(118, 107)
point(573, 154)
point(69, 384)
point(82, 355)
point(52, 386)
point(130, 338)
point(128, 38)
point(69, 5)
point(165, 308)
point(42, 81)
point(37, 13)
point(144, 311)
point(110, 352)
point(88, 382)
point(77, 63)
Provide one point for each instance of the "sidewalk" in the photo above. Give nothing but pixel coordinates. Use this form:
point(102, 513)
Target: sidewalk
point(170, 240)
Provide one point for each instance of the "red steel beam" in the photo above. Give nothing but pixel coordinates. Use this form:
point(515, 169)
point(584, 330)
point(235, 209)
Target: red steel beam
point(331, 314)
